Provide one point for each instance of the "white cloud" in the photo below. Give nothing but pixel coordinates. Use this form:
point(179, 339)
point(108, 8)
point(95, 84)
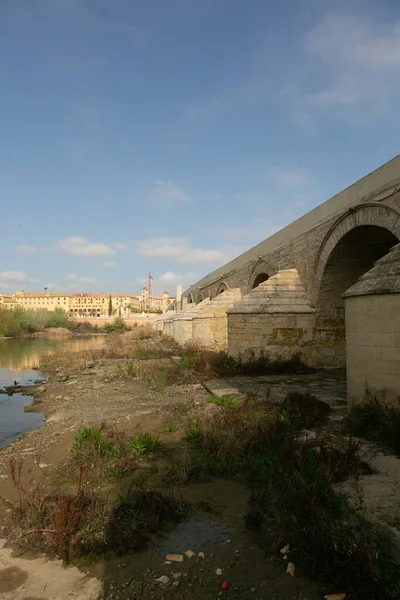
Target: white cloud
point(15, 276)
point(179, 250)
point(171, 280)
point(26, 249)
point(360, 61)
point(349, 38)
point(119, 246)
point(80, 246)
point(82, 280)
point(109, 264)
point(167, 193)
point(291, 177)
point(54, 287)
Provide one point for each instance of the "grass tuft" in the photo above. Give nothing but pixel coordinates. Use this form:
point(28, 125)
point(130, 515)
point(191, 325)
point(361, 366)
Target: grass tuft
point(145, 443)
point(376, 420)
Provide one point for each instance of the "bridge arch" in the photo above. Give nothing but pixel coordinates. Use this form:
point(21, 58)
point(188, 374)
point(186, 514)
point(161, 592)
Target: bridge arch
point(190, 299)
point(223, 286)
point(200, 298)
point(350, 248)
point(261, 271)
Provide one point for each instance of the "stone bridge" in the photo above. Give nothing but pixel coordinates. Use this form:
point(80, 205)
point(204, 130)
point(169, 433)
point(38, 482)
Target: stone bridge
point(287, 293)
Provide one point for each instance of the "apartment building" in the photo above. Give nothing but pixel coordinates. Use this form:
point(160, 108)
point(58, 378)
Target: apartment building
point(87, 305)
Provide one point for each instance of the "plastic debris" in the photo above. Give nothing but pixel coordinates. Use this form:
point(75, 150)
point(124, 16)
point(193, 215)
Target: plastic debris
point(285, 549)
point(189, 553)
point(201, 555)
point(335, 597)
point(175, 557)
point(218, 571)
point(291, 569)
point(164, 580)
point(225, 586)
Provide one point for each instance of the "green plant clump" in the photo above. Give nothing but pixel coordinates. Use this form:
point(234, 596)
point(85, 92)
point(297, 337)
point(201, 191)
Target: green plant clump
point(225, 401)
point(377, 420)
point(194, 436)
point(146, 443)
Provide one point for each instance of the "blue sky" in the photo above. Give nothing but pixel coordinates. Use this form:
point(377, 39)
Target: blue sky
point(171, 136)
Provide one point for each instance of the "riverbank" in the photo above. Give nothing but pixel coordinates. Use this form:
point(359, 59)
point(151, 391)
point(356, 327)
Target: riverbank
point(132, 420)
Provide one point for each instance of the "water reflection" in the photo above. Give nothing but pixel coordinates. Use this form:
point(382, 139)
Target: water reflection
point(21, 354)
point(18, 360)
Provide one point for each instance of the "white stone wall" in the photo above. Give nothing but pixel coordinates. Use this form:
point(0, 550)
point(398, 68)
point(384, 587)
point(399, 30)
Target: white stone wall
point(183, 329)
point(210, 324)
point(275, 334)
point(373, 344)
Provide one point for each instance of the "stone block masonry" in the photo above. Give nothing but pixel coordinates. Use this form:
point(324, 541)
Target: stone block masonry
point(373, 330)
point(327, 250)
point(275, 318)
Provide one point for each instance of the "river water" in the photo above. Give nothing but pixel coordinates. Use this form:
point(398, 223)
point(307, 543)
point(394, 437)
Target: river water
point(19, 359)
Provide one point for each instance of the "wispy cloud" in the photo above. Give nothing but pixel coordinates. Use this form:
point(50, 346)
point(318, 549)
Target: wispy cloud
point(291, 177)
point(15, 277)
point(179, 250)
point(167, 193)
point(26, 249)
point(55, 287)
point(109, 264)
point(80, 246)
point(360, 62)
point(83, 280)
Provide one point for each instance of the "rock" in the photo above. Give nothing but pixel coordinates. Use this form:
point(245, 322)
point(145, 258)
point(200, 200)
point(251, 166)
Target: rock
point(90, 364)
point(229, 541)
point(189, 553)
point(218, 571)
point(168, 562)
point(291, 569)
point(176, 584)
point(201, 555)
point(61, 378)
point(176, 575)
point(175, 557)
point(163, 580)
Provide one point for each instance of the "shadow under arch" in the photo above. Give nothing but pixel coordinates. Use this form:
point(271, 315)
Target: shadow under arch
point(350, 250)
point(261, 271)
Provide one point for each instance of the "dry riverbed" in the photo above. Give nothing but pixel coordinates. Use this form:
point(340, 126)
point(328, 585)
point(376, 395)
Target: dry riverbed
point(223, 550)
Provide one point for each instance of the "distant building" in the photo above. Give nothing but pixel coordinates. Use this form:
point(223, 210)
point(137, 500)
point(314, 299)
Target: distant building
point(88, 305)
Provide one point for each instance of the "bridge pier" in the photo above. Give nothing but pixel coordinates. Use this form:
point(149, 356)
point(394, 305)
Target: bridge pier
point(275, 317)
point(373, 330)
point(210, 323)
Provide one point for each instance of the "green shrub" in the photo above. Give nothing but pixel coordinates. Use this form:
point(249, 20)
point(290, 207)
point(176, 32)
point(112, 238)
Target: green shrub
point(118, 326)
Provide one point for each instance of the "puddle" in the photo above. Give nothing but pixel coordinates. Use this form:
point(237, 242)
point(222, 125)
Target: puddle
point(197, 533)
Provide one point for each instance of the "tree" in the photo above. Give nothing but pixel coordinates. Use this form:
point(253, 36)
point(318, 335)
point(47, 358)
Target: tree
point(110, 306)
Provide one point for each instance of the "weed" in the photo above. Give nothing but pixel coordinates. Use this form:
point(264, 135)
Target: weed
point(225, 401)
point(161, 379)
point(91, 441)
point(377, 420)
point(146, 443)
point(118, 472)
point(171, 427)
point(194, 436)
